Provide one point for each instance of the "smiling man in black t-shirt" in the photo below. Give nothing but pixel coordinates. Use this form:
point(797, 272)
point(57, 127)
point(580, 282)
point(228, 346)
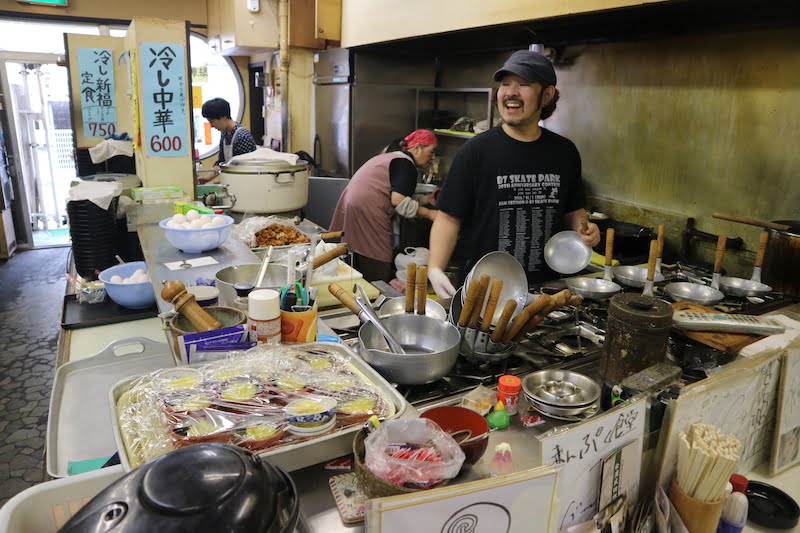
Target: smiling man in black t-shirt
point(513, 187)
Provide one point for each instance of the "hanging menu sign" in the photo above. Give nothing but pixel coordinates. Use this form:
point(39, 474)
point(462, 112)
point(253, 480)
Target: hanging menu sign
point(164, 96)
point(97, 96)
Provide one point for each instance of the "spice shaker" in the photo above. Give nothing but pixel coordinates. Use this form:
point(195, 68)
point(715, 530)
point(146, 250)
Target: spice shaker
point(508, 388)
point(264, 316)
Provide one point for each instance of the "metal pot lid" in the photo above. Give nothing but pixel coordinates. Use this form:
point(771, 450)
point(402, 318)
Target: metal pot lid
point(561, 388)
point(635, 308)
point(262, 166)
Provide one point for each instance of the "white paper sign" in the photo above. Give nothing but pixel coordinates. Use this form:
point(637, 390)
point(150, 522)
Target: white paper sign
point(516, 503)
point(580, 452)
point(191, 263)
point(721, 401)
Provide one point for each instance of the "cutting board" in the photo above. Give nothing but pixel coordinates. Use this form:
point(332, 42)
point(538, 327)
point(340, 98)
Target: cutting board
point(326, 299)
point(727, 342)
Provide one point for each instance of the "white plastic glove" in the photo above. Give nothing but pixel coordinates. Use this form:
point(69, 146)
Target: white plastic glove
point(441, 283)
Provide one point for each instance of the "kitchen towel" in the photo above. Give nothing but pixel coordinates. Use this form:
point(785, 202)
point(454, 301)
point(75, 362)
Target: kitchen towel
point(109, 148)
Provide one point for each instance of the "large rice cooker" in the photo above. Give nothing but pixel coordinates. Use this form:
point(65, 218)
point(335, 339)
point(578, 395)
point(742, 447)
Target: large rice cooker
point(265, 186)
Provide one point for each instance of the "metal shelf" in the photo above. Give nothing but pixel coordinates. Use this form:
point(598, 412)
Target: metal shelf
point(463, 90)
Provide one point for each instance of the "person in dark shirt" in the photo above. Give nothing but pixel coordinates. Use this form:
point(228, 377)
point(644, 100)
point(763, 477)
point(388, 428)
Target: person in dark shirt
point(235, 140)
point(514, 186)
point(382, 187)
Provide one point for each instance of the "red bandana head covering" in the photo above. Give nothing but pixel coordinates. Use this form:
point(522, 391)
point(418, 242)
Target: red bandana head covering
point(419, 138)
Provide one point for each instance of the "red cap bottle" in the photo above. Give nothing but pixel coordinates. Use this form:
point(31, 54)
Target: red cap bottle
point(739, 483)
point(508, 388)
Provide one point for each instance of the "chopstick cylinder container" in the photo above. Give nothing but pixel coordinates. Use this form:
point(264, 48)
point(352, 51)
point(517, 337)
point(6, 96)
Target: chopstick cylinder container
point(698, 516)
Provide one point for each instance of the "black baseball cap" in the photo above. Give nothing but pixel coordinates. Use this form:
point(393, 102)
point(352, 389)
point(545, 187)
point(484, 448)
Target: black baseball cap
point(529, 65)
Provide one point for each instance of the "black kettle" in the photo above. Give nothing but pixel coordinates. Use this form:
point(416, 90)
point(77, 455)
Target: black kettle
point(208, 487)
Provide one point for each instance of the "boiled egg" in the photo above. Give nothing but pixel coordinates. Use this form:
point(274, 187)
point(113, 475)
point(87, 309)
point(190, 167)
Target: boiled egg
point(192, 215)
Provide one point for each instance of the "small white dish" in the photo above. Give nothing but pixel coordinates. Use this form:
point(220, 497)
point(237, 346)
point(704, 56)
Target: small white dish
point(310, 432)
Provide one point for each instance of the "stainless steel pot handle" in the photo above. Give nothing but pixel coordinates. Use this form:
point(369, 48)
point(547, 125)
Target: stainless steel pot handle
point(278, 177)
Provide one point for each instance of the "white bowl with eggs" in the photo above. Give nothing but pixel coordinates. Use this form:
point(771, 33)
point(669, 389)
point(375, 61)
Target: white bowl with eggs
point(194, 233)
point(129, 285)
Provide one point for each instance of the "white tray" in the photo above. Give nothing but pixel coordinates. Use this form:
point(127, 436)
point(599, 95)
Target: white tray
point(79, 425)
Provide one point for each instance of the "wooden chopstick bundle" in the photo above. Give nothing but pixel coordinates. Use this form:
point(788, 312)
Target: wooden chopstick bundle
point(706, 460)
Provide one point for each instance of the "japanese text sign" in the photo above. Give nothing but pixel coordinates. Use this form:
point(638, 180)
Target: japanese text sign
point(164, 95)
point(580, 451)
point(523, 502)
point(97, 97)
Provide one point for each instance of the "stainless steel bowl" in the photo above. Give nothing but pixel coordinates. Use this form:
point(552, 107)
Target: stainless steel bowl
point(566, 253)
point(743, 287)
point(564, 413)
point(229, 276)
point(500, 265)
point(397, 306)
point(634, 276)
point(543, 385)
point(593, 288)
point(431, 348)
point(693, 292)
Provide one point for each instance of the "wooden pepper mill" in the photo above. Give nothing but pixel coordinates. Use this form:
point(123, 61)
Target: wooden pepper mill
point(185, 304)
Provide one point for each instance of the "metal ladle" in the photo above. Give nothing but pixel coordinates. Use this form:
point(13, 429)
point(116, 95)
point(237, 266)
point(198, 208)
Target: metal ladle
point(752, 286)
point(363, 302)
point(596, 288)
point(701, 294)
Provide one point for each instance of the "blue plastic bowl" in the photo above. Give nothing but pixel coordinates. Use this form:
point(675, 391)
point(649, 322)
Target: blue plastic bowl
point(196, 240)
point(130, 295)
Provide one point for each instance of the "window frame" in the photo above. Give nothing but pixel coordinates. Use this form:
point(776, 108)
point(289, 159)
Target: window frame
point(240, 114)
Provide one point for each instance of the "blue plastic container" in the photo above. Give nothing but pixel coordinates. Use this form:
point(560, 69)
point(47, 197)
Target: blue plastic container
point(130, 295)
point(196, 240)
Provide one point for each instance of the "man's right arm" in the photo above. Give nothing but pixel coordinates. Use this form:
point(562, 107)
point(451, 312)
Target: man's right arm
point(444, 234)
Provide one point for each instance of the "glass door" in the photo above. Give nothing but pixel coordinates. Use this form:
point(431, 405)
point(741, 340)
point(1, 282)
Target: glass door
point(38, 97)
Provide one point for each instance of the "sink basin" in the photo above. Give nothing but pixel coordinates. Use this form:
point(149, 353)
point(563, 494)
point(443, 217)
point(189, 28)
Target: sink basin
point(424, 188)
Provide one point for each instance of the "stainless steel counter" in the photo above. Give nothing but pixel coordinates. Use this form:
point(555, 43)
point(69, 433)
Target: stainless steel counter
point(158, 251)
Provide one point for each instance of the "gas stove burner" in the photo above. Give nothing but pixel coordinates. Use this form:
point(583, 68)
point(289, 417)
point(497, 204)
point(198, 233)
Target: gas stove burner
point(596, 314)
point(574, 339)
point(516, 365)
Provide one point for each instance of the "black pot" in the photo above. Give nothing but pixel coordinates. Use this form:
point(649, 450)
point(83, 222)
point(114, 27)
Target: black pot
point(201, 488)
point(782, 259)
point(630, 240)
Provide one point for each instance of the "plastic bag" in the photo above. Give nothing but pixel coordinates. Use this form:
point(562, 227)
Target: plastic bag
point(411, 255)
point(329, 269)
point(412, 434)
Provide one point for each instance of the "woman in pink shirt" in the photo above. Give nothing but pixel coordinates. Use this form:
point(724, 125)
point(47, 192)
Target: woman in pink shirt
point(383, 187)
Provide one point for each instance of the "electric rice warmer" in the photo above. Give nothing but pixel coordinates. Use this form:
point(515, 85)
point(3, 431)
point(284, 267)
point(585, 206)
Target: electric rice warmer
point(202, 488)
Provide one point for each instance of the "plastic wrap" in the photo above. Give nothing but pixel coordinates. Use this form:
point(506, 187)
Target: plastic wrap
point(247, 229)
point(259, 399)
point(434, 454)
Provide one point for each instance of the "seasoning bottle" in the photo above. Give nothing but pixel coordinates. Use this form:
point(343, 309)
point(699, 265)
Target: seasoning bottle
point(243, 290)
point(508, 388)
point(264, 316)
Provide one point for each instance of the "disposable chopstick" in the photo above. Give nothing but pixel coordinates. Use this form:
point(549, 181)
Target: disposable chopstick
point(706, 460)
